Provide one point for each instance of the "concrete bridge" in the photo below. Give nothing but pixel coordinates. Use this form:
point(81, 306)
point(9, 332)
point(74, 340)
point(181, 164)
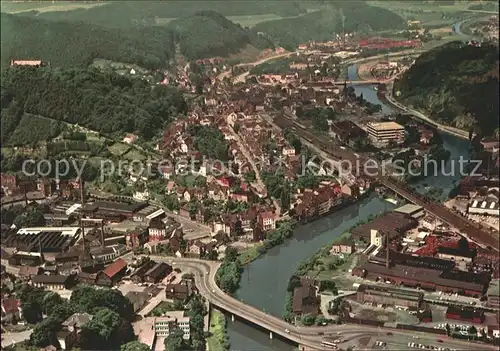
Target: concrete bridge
point(308, 338)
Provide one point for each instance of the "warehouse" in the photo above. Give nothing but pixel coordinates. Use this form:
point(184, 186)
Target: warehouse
point(390, 296)
point(465, 313)
point(463, 283)
point(393, 223)
point(44, 239)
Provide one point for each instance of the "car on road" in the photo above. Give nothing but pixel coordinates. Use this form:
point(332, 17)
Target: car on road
point(439, 340)
point(287, 331)
point(389, 333)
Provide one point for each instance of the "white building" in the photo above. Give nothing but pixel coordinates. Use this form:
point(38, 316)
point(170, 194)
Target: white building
point(484, 208)
point(376, 238)
point(163, 325)
point(382, 133)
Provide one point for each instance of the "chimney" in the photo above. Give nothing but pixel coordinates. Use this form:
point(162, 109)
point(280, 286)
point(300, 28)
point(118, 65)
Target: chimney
point(387, 259)
point(102, 233)
point(81, 215)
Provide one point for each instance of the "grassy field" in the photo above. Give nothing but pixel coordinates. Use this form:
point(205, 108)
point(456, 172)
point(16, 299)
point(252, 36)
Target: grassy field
point(244, 21)
point(250, 254)
point(134, 154)
point(44, 6)
point(118, 148)
point(217, 331)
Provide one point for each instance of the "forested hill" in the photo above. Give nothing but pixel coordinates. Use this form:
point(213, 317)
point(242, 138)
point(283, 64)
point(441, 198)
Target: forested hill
point(78, 44)
point(105, 102)
point(123, 14)
point(456, 84)
point(321, 25)
point(209, 34)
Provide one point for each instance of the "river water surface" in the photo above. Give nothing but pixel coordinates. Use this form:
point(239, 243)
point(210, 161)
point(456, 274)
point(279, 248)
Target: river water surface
point(264, 281)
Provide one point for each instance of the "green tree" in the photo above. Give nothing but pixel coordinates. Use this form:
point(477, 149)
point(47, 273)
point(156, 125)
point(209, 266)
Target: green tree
point(50, 302)
point(106, 330)
point(44, 333)
point(134, 346)
point(293, 283)
point(175, 340)
point(32, 217)
point(308, 319)
point(231, 254)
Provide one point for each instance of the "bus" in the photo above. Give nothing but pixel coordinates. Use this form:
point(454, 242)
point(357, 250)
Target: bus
point(329, 344)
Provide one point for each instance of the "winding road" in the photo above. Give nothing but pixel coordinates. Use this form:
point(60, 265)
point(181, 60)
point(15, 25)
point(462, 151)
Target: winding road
point(308, 337)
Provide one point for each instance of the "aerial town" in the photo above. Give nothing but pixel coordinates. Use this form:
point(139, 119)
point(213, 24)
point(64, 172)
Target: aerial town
point(283, 203)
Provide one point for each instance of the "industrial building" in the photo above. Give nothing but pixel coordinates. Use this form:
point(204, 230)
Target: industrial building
point(392, 223)
point(43, 239)
point(390, 296)
point(382, 133)
point(465, 313)
point(489, 208)
point(411, 210)
point(424, 272)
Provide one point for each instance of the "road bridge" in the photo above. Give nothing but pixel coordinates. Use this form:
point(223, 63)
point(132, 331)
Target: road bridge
point(308, 338)
point(473, 231)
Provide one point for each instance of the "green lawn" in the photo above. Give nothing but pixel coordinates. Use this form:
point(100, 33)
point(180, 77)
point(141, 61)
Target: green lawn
point(217, 330)
point(118, 148)
point(250, 254)
point(44, 6)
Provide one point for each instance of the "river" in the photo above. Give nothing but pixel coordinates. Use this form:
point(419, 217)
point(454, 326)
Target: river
point(265, 280)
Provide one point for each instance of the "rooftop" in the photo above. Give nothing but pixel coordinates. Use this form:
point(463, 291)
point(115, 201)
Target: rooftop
point(71, 231)
point(408, 209)
point(115, 267)
point(389, 291)
point(381, 126)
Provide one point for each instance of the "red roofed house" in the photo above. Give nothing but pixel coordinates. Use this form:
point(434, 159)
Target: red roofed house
point(11, 309)
point(267, 221)
point(112, 273)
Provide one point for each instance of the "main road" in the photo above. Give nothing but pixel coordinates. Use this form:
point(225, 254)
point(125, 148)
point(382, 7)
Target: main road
point(308, 337)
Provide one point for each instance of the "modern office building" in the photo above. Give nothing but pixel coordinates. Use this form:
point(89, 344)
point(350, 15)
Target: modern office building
point(382, 133)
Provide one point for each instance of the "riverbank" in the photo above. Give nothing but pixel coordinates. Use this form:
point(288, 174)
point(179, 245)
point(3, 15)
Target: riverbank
point(218, 339)
point(326, 268)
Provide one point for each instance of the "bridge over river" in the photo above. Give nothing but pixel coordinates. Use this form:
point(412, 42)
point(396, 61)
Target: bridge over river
point(308, 338)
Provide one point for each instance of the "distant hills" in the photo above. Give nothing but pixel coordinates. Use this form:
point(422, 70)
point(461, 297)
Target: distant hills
point(321, 25)
point(456, 84)
point(208, 34)
point(78, 44)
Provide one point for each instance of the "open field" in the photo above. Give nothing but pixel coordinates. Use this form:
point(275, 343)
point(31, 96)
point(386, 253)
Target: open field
point(45, 6)
point(118, 148)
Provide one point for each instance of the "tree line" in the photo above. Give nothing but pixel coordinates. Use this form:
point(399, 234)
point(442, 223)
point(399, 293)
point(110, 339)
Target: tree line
point(457, 84)
point(78, 44)
point(106, 102)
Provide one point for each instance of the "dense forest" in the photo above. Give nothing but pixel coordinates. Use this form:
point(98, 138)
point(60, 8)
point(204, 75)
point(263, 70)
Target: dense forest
point(78, 44)
point(105, 102)
point(123, 14)
point(209, 34)
point(321, 25)
point(456, 84)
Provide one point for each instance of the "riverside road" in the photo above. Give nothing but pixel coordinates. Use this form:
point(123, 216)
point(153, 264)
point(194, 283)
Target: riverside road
point(309, 338)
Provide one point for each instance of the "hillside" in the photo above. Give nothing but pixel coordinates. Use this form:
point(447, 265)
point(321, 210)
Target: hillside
point(455, 84)
point(104, 102)
point(209, 34)
point(123, 14)
point(77, 44)
point(321, 25)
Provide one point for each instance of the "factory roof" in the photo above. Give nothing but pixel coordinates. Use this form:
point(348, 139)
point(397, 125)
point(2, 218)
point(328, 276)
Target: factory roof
point(71, 231)
point(422, 275)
